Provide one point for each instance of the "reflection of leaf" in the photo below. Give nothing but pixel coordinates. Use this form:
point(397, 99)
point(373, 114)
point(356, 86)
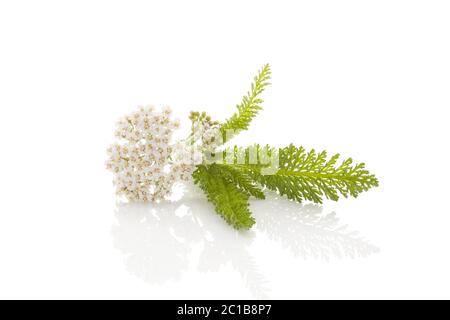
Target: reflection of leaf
point(236, 251)
point(157, 241)
point(308, 233)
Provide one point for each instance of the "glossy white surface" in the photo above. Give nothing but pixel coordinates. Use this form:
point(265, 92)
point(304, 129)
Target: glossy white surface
point(367, 79)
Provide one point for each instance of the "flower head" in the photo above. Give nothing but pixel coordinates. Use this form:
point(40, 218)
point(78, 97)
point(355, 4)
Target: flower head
point(141, 158)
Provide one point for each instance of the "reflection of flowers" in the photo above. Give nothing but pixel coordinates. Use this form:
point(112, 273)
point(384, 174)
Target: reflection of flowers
point(157, 241)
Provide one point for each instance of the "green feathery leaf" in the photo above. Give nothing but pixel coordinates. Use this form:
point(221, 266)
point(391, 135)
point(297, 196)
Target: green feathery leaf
point(238, 178)
point(230, 202)
point(290, 171)
point(249, 107)
point(310, 176)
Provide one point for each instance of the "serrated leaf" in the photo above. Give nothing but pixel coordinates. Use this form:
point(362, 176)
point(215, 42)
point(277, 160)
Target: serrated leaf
point(230, 202)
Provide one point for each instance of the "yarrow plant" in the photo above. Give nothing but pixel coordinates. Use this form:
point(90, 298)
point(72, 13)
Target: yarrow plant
point(146, 162)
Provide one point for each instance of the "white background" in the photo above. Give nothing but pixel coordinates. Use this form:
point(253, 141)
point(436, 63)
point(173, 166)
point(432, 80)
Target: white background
point(367, 79)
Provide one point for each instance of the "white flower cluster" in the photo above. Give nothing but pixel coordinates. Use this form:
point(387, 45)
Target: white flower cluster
point(141, 159)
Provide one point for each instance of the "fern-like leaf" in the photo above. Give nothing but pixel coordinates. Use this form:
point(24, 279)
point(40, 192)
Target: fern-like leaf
point(249, 107)
point(230, 202)
point(239, 178)
point(310, 176)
